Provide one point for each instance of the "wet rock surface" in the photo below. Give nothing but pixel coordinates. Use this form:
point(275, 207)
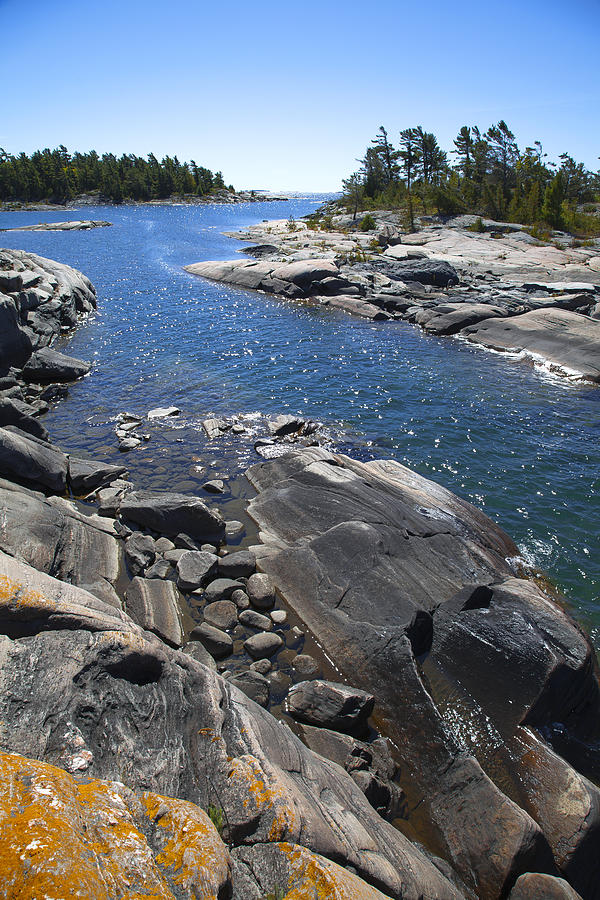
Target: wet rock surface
point(386, 569)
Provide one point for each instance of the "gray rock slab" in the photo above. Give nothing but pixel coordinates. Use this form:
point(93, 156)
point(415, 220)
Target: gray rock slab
point(46, 365)
point(450, 318)
point(87, 683)
point(369, 555)
point(87, 475)
point(52, 536)
point(38, 464)
point(171, 513)
point(563, 340)
point(154, 605)
point(14, 412)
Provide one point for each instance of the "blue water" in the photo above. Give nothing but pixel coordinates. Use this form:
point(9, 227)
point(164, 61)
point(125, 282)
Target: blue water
point(519, 444)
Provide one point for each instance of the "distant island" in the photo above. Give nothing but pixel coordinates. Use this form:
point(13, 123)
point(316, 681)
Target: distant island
point(490, 176)
point(57, 176)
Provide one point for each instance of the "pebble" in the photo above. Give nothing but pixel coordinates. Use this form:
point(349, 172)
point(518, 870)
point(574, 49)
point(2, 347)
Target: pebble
point(263, 666)
point(263, 644)
point(252, 619)
point(222, 614)
point(278, 616)
point(240, 598)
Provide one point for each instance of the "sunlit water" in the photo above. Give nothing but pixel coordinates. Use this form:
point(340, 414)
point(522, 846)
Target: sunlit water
point(519, 444)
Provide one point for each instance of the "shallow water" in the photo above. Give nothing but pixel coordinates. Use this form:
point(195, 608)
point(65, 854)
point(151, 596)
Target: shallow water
point(518, 443)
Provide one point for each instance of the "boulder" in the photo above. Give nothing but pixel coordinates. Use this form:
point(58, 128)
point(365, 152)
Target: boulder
point(140, 552)
point(15, 412)
point(253, 685)
point(426, 271)
point(87, 475)
point(46, 366)
point(33, 462)
point(222, 614)
point(221, 589)
point(534, 886)
point(261, 591)
point(154, 605)
point(216, 641)
point(263, 645)
point(335, 706)
point(253, 619)
point(240, 564)
point(450, 318)
point(170, 514)
point(195, 568)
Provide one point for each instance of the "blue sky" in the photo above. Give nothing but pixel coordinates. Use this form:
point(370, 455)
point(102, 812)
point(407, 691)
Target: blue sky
point(285, 97)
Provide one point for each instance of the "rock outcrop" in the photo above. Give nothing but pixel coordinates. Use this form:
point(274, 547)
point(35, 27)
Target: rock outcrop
point(90, 692)
point(410, 592)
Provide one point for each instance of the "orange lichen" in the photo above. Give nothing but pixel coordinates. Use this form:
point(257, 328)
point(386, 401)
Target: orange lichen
point(14, 592)
point(312, 877)
point(191, 848)
point(60, 839)
point(250, 781)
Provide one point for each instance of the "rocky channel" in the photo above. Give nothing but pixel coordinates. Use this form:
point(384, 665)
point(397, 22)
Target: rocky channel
point(368, 703)
point(497, 287)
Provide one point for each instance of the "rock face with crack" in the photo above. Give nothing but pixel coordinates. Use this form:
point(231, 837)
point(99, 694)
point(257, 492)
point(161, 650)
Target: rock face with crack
point(410, 592)
point(87, 690)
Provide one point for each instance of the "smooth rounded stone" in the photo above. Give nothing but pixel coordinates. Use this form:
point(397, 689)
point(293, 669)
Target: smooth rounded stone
point(233, 528)
point(46, 365)
point(34, 462)
point(163, 544)
point(159, 569)
point(240, 598)
point(195, 568)
point(140, 552)
point(333, 705)
point(198, 651)
point(263, 666)
point(173, 514)
point(253, 619)
point(217, 642)
point(279, 616)
point(263, 645)
point(242, 563)
point(220, 589)
point(253, 685)
point(306, 665)
point(215, 486)
point(222, 614)
point(154, 605)
point(535, 886)
point(173, 556)
point(209, 548)
point(261, 591)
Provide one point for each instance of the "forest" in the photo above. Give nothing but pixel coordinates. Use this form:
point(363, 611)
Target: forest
point(486, 173)
point(57, 176)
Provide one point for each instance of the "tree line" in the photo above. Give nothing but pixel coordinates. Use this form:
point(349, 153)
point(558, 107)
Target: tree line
point(487, 175)
point(58, 176)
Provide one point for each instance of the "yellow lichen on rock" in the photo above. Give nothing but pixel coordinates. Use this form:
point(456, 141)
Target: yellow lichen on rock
point(263, 794)
point(60, 839)
point(191, 849)
point(14, 593)
point(312, 877)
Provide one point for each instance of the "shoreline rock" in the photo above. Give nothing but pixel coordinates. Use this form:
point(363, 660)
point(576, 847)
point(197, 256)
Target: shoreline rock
point(444, 278)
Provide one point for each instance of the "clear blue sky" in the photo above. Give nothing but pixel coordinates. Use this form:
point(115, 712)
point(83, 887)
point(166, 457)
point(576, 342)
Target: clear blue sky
point(287, 96)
